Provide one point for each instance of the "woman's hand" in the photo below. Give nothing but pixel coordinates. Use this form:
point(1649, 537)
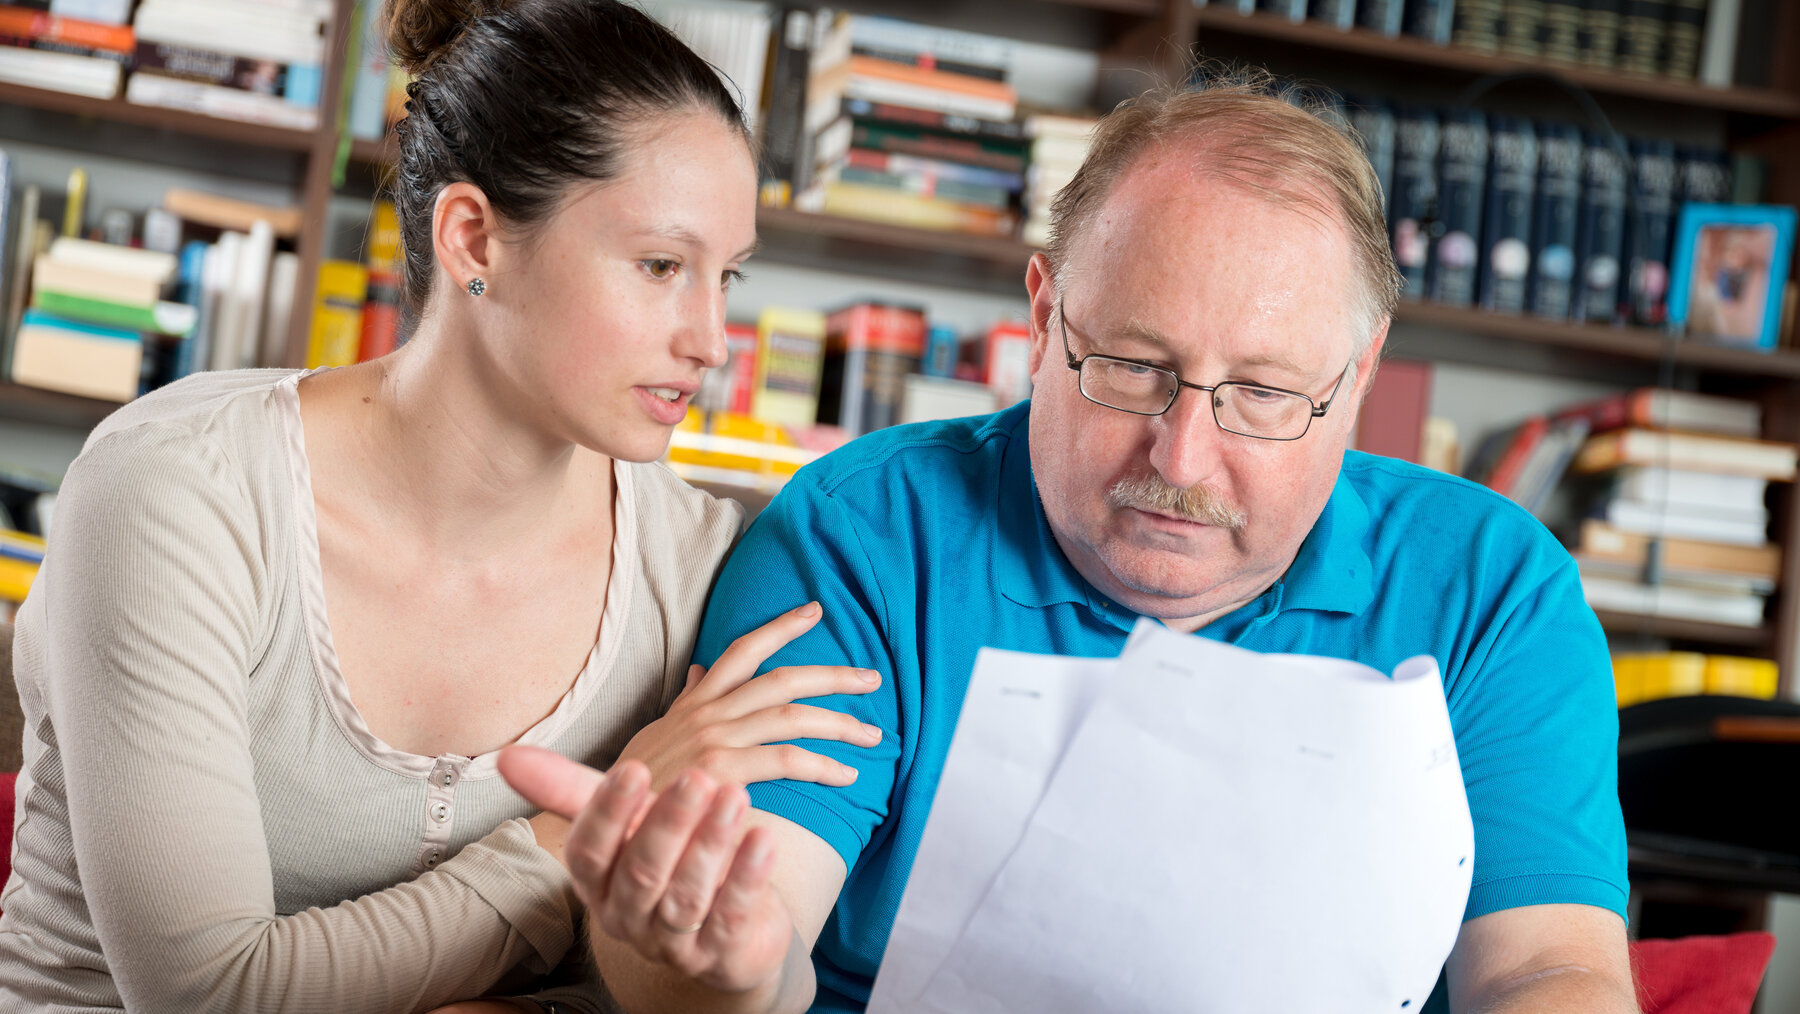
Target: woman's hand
point(671, 875)
point(724, 722)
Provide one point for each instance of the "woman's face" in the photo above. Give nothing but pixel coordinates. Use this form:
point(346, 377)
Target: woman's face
point(603, 321)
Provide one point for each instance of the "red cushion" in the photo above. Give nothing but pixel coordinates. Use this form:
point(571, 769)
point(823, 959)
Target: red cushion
point(1701, 975)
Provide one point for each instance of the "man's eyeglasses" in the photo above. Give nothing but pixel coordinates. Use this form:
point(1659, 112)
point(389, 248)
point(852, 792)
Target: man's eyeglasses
point(1251, 410)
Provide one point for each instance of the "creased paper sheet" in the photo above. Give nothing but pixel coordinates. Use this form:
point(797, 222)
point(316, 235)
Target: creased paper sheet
point(1225, 831)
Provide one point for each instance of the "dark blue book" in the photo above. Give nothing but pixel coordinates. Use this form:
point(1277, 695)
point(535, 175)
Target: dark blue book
point(1373, 120)
point(1650, 230)
point(1293, 10)
point(1705, 176)
point(1431, 20)
point(1384, 16)
point(1336, 13)
point(1555, 209)
point(1415, 193)
point(1453, 272)
point(1506, 220)
point(1600, 232)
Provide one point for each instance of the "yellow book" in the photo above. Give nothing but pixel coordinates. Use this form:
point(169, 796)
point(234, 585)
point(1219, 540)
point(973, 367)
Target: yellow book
point(790, 354)
point(1655, 675)
point(727, 440)
point(1628, 679)
point(19, 559)
point(337, 314)
point(1742, 677)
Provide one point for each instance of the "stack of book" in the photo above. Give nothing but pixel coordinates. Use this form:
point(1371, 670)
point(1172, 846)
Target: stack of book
point(92, 306)
point(1059, 145)
point(898, 122)
point(80, 55)
point(261, 62)
point(1679, 527)
point(1651, 676)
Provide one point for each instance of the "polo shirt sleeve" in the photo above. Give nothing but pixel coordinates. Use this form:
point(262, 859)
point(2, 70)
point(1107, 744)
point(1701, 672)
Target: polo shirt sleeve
point(1537, 732)
point(804, 547)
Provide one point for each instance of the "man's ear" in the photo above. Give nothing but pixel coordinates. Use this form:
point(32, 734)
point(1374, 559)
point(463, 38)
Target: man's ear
point(1040, 288)
point(464, 234)
point(1370, 361)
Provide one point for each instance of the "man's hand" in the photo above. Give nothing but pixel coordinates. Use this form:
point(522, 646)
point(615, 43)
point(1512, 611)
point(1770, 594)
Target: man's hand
point(671, 874)
point(1544, 959)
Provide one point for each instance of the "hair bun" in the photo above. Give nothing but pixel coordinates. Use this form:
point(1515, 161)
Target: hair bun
point(419, 31)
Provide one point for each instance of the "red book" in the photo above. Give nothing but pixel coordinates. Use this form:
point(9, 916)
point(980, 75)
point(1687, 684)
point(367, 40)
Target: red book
point(1392, 422)
point(1512, 460)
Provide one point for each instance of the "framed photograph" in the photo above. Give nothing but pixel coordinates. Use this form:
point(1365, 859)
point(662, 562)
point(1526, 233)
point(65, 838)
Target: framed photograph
point(1729, 270)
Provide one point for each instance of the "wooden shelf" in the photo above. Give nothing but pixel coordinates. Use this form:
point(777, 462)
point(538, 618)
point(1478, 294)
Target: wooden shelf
point(1719, 634)
point(834, 243)
point(117, 110)
point(32, 404)
point(1422, 53)
point(1620, 342)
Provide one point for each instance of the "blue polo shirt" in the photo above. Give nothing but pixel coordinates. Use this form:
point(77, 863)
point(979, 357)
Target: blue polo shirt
point(925, 543)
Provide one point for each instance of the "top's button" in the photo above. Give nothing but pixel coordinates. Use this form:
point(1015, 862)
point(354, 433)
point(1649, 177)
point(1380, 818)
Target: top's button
point(440, 812)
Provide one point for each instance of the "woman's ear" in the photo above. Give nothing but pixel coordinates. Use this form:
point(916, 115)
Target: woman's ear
point(464, 234)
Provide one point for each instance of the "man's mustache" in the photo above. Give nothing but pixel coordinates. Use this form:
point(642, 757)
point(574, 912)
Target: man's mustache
point(1196, 503)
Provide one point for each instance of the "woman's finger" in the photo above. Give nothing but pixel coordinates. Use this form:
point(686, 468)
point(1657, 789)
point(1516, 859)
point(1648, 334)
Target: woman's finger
point(791, 721)
point(740, 661)
point(794, 683)
point(697, 876)
point(777, 762)
point(641, 873)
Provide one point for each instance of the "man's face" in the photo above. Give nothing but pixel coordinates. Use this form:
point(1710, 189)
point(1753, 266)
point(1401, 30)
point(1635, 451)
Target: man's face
point(1217, 284)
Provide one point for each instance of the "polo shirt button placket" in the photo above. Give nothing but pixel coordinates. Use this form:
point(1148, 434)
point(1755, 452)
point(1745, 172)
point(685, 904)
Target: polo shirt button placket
point(440, 810)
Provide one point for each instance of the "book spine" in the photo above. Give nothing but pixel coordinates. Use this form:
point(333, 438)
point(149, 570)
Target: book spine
point(1431, 20)
point(1556, 210)
point(929, 62)
point(1562, 30)
point(1374, 124)
point(1293, 10)
point(1462, 172)
point(1522, 28)
point(1650, 228)
point(186, 63)
point(1641, 31)
point(1705, 176)
point(367, 112)
point(939, 169)
point(189, 290)
point(1336, 13)
point(1416, 137)
point(925, 185)
point(942, 43)
point(1512, 179)
point(929, 119)
point(1476, 25)
point(1600, 235)
point(38, 27)
point(1599, 38)
point(1683, 36)
point(1718, 59)
point(988, 155)
point(785, 151)
point(1384, 16)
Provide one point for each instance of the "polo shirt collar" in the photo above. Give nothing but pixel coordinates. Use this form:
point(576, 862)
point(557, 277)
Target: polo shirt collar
point(1331, 571)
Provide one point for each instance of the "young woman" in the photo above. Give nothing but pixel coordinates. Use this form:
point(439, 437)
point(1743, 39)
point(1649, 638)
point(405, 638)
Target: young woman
point(290, 618)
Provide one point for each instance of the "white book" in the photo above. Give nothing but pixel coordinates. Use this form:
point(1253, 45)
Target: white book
point(93, 362)
point(278, 308)
point(1672, 601)
point(1690, 489)
point(1718, 51)
point(147, 89)
point(900, 93)
point(227, 319)
point(250, 285)
point(1745, 528)
point(943, 43)
point(114, 259)
point(236, 37)
point(60, 72)
point(108, 12)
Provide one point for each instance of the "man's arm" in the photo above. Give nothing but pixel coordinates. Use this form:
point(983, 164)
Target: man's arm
point(1544, 959)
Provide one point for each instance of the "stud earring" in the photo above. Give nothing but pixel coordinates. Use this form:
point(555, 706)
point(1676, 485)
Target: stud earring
point(477, 286)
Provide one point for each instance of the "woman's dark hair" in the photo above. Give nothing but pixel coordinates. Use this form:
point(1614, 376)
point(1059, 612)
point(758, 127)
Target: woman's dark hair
point(523, 98)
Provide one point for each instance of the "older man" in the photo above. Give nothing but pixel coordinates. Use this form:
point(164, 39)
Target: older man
point(1206, 321)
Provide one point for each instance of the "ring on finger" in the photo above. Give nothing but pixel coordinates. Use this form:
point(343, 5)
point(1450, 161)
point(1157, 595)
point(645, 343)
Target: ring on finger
point(669, 927)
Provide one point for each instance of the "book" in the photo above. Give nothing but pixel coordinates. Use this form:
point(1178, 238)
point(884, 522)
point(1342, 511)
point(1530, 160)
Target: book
point(114, 259)
point(23, 242)
point(189, 290)
point(1543, 469)
point(927, 61)
point(926, 398)
point(942, 44)
point(1506, 221)
point(366, 114)
point(930, 119)
point(1669, 520)
point(226, 319)
point(159, 318)
point(1521, 28)
point(1416, 142)
point(147, 88)
point(895, 208)
point(10, 255)
point(1642, 26)
point(1505, 469)
point(1340, 14)
point(1600, 233)
point(923, 185)
point(1692, 491)
point(83, 359)
point(934, 169)
point(1561, 33)
point(1673, 601)
point(1373, 121)
point(1696, 451)
point(1431, 20)
point(1705, 176)
point(1392, 421)
point(1650, 230)
point(110, 12)
point(1742, 677)
point(258, 31)
point(1718, 56)
point(1384, 16)
point(842, 135)
point(1476, 24)
point(1662, 408)
point(92, 76)
point(1599, 38)
point(1007, 362)
point(731, 35)
point(790, 352)
point(381, 307)
point(20, 557)
point(1556, 209)
point(1451, 274)
point(337, 319)
point(870, 349)
point(1293, 10)
point(20, 26)
point(297, 84)
point(80, 280)
point(1683, 35)
point(786, 148)
point(278, 307)
point(228, 213)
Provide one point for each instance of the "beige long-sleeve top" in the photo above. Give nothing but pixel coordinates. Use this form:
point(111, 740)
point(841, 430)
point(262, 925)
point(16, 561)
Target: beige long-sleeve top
point(204, 821)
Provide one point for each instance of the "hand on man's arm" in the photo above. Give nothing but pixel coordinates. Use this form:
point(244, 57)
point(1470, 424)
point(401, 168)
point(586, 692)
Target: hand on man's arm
point(1545, 959)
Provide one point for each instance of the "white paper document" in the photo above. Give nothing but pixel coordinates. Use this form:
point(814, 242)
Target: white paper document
point(1189, 827)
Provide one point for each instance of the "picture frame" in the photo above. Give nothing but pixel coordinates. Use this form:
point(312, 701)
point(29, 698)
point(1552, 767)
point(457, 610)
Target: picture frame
point(1729, 271)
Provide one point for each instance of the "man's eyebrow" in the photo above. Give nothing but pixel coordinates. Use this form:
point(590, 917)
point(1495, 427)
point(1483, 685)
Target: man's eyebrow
point(1141, 333)
point(1275, 360)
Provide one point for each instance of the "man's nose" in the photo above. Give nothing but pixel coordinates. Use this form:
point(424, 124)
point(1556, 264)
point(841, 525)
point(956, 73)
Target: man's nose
point(1187, 443)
